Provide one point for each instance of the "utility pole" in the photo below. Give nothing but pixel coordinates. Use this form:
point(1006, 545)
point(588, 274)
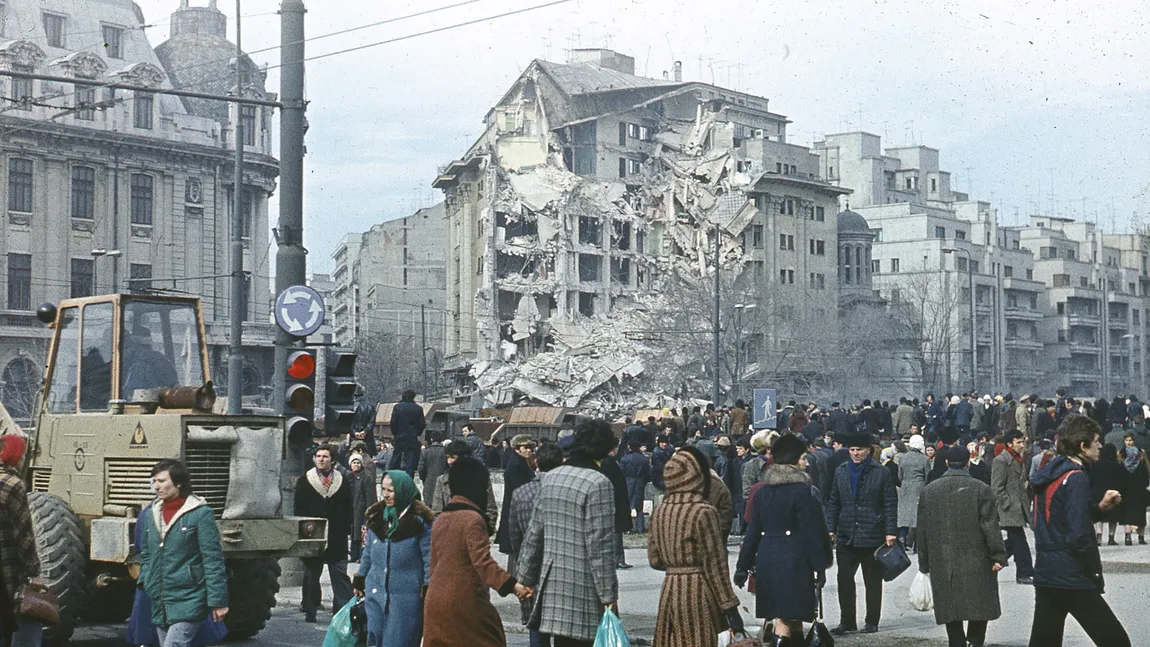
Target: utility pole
point(239, 305)
point(715, 354)
point(291, 259)
point(423, 345)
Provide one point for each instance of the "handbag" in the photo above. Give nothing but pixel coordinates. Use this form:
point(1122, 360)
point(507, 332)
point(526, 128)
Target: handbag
point(37, 603)
point(819, 635)
point(893, 560)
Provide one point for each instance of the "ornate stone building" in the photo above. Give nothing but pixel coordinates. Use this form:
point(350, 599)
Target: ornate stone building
point(109, 190)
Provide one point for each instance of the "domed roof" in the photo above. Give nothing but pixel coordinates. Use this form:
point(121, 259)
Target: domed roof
point(852, 223)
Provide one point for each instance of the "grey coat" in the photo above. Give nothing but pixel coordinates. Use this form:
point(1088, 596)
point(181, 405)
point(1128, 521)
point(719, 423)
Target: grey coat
point(959, 539)
point(568, 556)
point(1008, 480)
point(912, 471)
point(902, 418)
point(432, 464)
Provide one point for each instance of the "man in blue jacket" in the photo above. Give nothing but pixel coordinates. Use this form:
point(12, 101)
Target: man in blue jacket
point(406, 427)
point(963, 414)
point(637, 471)
point(1068, 569)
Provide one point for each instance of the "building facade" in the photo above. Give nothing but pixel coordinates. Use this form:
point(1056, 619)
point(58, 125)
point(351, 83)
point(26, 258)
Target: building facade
point(108, 191)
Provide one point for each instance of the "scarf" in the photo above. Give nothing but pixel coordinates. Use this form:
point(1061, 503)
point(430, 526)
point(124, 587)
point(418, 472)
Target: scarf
point(1017, 458)
point(855, 472)
point(405, 493)
point(1131, 460)
point(325, 478)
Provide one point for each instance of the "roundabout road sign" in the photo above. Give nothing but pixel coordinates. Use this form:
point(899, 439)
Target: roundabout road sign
point(299, 310)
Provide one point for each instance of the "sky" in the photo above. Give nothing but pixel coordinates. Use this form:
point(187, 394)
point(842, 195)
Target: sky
point(1037, 107)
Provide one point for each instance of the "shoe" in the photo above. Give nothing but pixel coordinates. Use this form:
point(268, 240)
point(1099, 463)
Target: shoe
point(623, 566)
point(842, 631)
point(310, 617)
point(869, 629)
point(1129, 540)
point(1099, 535)
point(1029, 581)
point(779, 641)
point(1141, 540)
point(1111, 542)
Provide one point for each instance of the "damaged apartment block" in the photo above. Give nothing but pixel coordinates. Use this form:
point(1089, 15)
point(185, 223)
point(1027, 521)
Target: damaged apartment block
point(590, 199)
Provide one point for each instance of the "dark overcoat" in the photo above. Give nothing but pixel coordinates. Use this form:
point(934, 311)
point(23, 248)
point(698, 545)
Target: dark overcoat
point(862, 521)
point(786, 543)
point(1008, 484)
point(959, 540)
point(333, 504)
point(517, 474)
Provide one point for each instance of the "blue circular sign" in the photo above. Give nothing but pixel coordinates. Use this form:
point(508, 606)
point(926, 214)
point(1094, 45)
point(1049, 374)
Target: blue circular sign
point(299, 310)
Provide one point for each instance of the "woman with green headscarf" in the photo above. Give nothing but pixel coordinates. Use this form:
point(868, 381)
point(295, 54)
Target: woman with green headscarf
point(395, 562)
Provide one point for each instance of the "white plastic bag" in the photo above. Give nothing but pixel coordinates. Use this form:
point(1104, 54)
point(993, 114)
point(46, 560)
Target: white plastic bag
point(921, 597)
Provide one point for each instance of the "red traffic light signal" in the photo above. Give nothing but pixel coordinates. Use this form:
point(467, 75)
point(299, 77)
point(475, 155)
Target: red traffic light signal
point(299, 396)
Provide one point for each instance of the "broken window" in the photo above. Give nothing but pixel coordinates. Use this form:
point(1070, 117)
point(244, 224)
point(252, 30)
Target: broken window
point(583, 134)
point(590, 231)
point(479, 266)
point(510, 265)
point(634, 197)
point(621, 235)
point(515, 227)
point(587, 304)
point(640, 240)
point(621, 271)
point(589, 267)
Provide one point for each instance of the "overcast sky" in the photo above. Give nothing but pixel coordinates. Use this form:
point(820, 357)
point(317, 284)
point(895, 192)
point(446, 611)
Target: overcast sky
point(1024, 99)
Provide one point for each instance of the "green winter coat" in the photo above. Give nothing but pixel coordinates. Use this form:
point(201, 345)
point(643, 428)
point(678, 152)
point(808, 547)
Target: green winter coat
point(182, 564)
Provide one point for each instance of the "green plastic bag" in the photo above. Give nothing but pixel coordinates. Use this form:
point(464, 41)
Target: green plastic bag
point(610, 633)
point(340, 632)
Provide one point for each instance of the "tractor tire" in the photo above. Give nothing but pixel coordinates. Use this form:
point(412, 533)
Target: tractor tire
point(63, 557)
point(252, 588)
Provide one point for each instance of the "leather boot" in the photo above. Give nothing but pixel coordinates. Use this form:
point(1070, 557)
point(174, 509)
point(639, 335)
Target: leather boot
point(779, 641)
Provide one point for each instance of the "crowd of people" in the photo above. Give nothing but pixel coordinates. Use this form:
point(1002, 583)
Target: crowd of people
point(956, 484)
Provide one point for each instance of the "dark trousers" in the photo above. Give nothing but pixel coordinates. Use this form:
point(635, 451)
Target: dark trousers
point(540, 639)
point(620, 554)
point(850, 558)
point(1087, 607)
point(406, 460)
point(636, 494)
point(975, 633)
point(563, 641)
point(340, 583)
point(1016, 545)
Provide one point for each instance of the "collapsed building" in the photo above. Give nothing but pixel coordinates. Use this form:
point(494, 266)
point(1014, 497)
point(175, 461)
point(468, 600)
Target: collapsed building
point(582, 232)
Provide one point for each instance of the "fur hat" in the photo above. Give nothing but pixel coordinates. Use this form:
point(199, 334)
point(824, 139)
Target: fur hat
point(723, 441)
point(468, 478)
point(788, 449)
point(916, 442)
point(522, 440)
point(856, 440)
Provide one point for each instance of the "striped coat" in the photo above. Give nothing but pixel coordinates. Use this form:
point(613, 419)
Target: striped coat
point(687, 541)
point(568, 555)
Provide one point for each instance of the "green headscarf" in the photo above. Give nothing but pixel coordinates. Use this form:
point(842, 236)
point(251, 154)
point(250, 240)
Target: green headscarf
point(405, 494)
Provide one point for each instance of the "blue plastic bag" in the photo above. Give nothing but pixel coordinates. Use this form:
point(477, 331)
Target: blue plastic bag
point(610, 633)
point(340, 632)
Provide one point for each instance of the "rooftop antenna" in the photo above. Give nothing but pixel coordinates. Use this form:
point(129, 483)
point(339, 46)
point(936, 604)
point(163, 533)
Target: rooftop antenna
point(969, 180)
point(1053, 203)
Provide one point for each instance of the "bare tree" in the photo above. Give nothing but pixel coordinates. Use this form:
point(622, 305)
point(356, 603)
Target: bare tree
point(923, 313)
point(387, 364)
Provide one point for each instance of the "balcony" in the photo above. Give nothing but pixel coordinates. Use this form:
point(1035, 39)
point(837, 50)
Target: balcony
point(984, 308)
point(1084, 374)
point(1022, 314)
point(1083, 320)
point(1022, 372)
point(1118, 324)
point(1089, 347)
point(1024, 343)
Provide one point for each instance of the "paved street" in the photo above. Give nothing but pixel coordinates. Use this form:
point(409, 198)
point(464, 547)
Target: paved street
point(1127, 575)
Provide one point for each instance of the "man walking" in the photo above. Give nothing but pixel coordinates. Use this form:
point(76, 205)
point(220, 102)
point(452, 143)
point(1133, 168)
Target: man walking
point(321, 492)
point(568, 555)
point(862, 514)
point(548, 457)
point(960, 547)
point(406, 426)
point(432, 465)
point(637, 471)
point(1008, 477)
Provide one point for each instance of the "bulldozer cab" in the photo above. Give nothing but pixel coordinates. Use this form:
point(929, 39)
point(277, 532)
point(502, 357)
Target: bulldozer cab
point(117, 348)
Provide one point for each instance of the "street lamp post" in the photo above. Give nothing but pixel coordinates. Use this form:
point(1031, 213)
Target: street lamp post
point(739, 308)
point(973, 337)
point(96, 254)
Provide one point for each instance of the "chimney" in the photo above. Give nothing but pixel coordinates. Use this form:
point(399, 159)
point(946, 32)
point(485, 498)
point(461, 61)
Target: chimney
point(678, 71)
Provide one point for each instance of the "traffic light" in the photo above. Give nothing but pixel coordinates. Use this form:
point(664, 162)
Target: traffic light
point(299, 396)
point(339, 392)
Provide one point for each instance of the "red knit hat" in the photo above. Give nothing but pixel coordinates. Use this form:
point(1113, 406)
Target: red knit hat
point(12, 449)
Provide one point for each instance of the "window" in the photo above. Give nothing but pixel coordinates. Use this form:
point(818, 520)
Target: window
point(644, 133)
point(140, 277)
point(83, 98)
point(934, 185)
point(587, 304)
point(83, 192)
point(248, 122)
point(1007, 271)
point(621, 235)
point(588, 267)
point(640, 241)
point(141, 199)
point(1048, 252)
point(959, 234)
point(19, 281)
point(974, 267)
point(894, 265)
point(1061, 307)
point(634, 167)
point(508, 121)
point(820, 214)
point(786, 242)
point(1034, 302)
point(622, 133)
point(787, 207)
point(247, 207)
point(590, 231)
point(757, 236)
point(940, 232)
point(787, 277)
point(22, 88)
point(20, 185)
point(83, 277)
point(621, 271)
point(818, 281)
point(1083, 282)
point(1061, 280)
point(622, 167)
point(820, 248)
point(875, 267)
point(142, 110)
point(54, 29)
point(909, 184)
point(877, 234)
point(960, 263)
point(113, 39)
point(1029, 275)
point(779, 168)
